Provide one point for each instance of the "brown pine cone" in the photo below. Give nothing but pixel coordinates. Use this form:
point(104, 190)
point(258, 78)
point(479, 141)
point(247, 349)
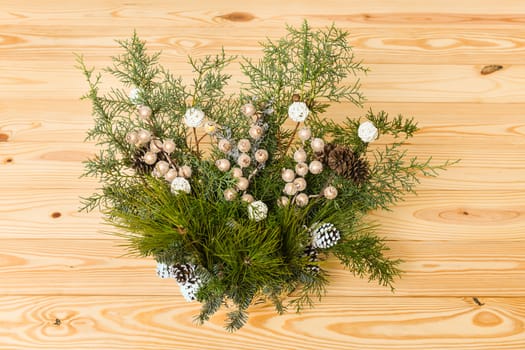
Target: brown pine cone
point(344, 162)
point(138, 162)
point(323, 156)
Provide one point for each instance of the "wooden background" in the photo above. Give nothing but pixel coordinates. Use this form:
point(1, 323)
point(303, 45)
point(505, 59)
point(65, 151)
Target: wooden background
point(66, 285)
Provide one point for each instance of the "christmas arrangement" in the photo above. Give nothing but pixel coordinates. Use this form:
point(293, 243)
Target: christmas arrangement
point(242, 197)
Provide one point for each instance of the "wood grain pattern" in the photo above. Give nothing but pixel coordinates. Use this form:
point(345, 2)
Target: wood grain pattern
point(56, 164)
point(431, 215)
point(102, 267)
point(480, 124)
point(385, 82)
point(375, 39)
point(154, 322)
point(67, 285)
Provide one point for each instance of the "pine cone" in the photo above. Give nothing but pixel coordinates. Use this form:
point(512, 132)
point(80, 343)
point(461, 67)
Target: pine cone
point(311, 253)
point(323, 156)
point(325, 236)
point(343, 161)
point(163, 270)
point(313, 269)
point(183, 272)
point(138, 162)
point(190, 288)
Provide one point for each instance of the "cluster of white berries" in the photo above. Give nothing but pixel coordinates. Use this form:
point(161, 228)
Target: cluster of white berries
point(244, 153)
point(295, 182)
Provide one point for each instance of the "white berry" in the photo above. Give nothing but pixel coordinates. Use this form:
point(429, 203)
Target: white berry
point(367, 132)
point(180, 184)
point(193, 117)
point(257, 211)
point(298, 111)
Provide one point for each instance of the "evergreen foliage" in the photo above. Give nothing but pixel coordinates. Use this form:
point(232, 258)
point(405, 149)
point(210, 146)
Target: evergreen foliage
point(239, 257)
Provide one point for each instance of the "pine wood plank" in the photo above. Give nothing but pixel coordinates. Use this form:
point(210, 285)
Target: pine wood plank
point(67, 120)
point(378, 38)
point(462, 237)
point(153, 322)
point(385, 82)
point(59, 165)
point(198, 13)
point(104, 267)
point(431, 215)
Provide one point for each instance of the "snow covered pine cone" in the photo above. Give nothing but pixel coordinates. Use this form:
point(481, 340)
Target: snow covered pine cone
point(312, 254)
point(189, 283)
point(325, 236)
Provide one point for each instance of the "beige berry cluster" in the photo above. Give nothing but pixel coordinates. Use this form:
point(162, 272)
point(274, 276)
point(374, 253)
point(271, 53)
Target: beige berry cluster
point(295, 182)
point(245, 154)
point(158, 154)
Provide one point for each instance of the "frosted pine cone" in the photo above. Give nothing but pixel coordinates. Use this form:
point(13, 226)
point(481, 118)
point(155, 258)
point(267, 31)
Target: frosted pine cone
point(325, 236)
point(190, 288)
point(164, 271)
point(188, 281)
point(313, 269)
point(134, 95)
point(183, 272)
point(311, 253)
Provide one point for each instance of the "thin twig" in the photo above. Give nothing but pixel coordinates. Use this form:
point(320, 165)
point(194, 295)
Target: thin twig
point(291, 138)
point(196, 143)
point(201, 138)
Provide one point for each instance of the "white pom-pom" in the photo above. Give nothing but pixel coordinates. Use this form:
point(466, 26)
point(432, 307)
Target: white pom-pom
point(193, 117)
point(298, 111)
point(134, 95)
point(257, 211)
point(367, 132)
point(180, 184)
